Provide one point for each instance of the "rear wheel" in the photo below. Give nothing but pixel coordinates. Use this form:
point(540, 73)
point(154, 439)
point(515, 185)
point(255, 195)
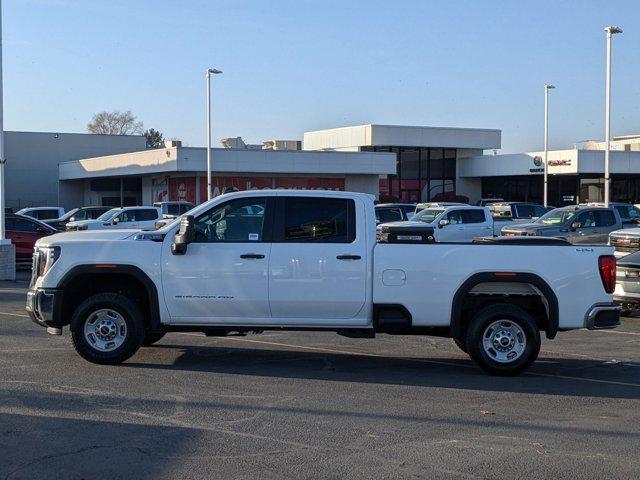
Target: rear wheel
point(503, 339)
point(107, 328)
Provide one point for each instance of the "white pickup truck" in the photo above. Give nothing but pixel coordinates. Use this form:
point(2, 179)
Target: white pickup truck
point(270, 259)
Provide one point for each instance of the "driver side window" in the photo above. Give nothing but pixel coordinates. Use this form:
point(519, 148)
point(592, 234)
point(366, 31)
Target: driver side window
point(239, 220)
point(454, 217)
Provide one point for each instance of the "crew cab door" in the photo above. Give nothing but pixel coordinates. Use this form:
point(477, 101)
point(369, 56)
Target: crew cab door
point(223, 276)
point(476, 222)
point(318, 266)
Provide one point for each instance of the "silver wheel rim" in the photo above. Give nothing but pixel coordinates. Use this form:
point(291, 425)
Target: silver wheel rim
point(105, 330)
point(504, 341)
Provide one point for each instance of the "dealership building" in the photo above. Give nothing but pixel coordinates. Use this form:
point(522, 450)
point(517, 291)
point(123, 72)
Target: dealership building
point(403, 163)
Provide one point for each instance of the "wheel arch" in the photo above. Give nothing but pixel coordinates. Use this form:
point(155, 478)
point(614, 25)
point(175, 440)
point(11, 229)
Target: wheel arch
point(106, 271)
point(457, 314)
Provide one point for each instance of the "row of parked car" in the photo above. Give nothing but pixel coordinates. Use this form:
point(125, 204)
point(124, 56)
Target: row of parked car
point(589, 223)
point(26, 226)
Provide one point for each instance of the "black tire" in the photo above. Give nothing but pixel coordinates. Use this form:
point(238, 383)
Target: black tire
point(152, 337)
point(482, 320)
point(128, 312)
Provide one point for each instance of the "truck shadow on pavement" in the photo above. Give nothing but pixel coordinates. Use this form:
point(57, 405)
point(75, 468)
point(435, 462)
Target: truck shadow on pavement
point(549, 376)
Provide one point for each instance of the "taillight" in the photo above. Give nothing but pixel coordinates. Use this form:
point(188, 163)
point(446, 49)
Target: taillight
point(607, 264)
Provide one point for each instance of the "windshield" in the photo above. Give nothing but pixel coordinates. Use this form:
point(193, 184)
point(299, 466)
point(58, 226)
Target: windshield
point(108, 214)
point(69, 214)
point(427, 216)
point(556, 217)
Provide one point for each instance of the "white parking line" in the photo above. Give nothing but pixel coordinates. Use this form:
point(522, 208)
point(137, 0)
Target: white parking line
point(23, 315)
point(620, 333)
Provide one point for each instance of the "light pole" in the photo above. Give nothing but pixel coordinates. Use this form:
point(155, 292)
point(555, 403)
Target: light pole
point(210, 71)
point(612, 30)
point(546, 138)
point(3, 239)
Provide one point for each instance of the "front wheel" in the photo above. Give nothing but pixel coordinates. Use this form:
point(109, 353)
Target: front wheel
point(503, 339)
point(107, 328)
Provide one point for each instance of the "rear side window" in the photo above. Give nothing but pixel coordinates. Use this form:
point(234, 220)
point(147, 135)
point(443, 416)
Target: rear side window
point(45, 214)
point(384, 215)
point(603, 218)
point(472, 216)
point(317, 220)
point(145, 214)
point(526, 211)
point(21, 225)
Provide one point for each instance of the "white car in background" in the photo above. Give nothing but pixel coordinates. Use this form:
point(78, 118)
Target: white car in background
point(142, 218)
point(42, 213)
point(459, 223)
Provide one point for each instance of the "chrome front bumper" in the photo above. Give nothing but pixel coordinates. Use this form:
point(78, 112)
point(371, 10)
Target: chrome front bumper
point(603, 316)
point(44, 306)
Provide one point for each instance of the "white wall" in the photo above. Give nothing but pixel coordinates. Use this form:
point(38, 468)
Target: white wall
point(362, 183)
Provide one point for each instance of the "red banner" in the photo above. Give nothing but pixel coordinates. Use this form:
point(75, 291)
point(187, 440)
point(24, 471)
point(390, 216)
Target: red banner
point(184, 188)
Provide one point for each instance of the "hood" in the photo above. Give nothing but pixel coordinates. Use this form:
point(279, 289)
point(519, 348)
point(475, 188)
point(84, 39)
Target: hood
point(89, 223)
point(627, 232)
point(406, 224)
point(525, 227)
point(87, 236)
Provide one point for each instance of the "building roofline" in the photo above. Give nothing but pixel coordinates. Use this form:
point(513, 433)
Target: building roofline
point(71, 133)
point(472, 129)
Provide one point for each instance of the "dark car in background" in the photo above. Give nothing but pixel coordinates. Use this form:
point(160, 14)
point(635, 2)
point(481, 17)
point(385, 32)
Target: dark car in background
point(394, 212)
point(23, 232)
point(577, 224)
point(82, 213)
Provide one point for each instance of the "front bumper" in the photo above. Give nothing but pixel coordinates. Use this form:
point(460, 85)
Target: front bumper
point(44, 306)
point(603, 316)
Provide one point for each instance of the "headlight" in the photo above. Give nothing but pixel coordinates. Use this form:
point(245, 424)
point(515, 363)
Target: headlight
point(45, 258)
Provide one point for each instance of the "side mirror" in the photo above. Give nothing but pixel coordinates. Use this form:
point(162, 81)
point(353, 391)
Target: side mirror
point(184, 236)
point(116, 220)
point(72, 219)
point(534, 218)
point(575, 226)
point(42, 230)
point(442, 223)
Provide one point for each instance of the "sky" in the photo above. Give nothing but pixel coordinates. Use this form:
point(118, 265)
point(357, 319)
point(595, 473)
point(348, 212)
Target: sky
point(292, 66)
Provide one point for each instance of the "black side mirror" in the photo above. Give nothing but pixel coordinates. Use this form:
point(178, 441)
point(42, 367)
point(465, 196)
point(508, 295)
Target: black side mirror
point(575, 226)
point(184, 236)
point(442, 223)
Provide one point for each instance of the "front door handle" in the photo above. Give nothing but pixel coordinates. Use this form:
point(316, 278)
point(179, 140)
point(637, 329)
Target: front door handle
point(251, 255)
point(348, 257)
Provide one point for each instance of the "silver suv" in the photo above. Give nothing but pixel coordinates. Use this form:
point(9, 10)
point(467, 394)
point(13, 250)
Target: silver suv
point(576, 224)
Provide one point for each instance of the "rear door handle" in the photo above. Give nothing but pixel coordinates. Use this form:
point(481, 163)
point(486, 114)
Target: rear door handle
point(251, 255)
point(348, 257)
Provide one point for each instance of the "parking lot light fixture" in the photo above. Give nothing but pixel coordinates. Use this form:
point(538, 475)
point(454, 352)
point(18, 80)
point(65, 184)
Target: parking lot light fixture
point(611, 30)
point(546, 136)
point(210, 71)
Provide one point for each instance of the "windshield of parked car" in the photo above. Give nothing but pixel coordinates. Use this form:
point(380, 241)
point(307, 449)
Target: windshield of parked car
point(69, 214)
point(427, 216)
point(556, 217)
point(108, 214)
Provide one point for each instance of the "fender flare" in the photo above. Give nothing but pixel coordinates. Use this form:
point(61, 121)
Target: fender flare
point(120, 269)
point(495, 277)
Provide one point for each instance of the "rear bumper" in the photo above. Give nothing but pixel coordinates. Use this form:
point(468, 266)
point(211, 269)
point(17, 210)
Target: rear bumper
point(603, 316)
point(44, 307)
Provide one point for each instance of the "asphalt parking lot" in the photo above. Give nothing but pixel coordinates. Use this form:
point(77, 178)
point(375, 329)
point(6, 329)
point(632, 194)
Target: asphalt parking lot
point(310, 405)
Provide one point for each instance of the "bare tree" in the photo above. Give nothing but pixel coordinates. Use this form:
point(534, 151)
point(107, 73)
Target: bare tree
point(115, 123)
